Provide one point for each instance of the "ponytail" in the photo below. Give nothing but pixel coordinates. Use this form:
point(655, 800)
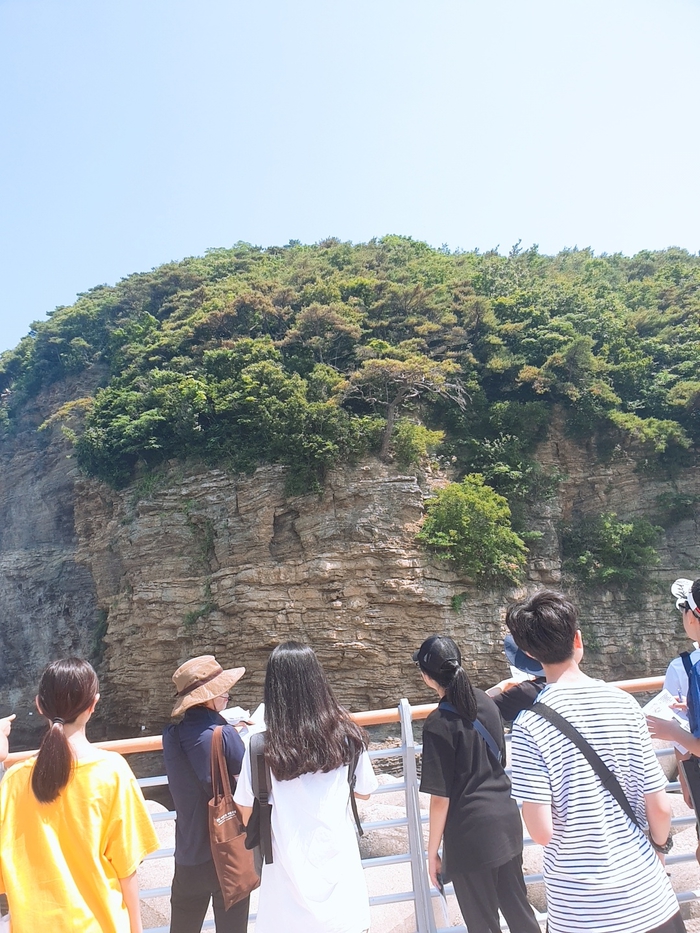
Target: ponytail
point(52, 768)
point(67, 688)
point(459, 692)
point(439, 658)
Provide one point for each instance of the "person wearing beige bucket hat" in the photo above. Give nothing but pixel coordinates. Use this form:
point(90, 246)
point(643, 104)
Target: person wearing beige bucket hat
point(202, 687)
point(202, 679)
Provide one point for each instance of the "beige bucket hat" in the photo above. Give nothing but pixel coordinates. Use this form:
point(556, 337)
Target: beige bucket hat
point(201, 679)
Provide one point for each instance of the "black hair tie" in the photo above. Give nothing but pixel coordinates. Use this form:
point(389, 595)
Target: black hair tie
point(57, 719)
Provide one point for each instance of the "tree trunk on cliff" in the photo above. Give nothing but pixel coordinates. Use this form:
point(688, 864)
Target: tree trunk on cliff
point(389, 429)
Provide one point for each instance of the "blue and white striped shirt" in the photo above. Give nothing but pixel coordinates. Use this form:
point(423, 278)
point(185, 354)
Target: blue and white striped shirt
point(601, 873)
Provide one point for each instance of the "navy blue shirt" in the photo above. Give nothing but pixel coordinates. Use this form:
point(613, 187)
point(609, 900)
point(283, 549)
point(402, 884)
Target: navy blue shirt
point(187, 751)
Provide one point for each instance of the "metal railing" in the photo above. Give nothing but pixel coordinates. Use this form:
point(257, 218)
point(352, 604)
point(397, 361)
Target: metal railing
point(421, 892)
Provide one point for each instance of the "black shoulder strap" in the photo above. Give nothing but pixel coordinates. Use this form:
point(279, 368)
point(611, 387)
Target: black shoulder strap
point(352, 780)
point(261, 783)
point(606, 776)
point(687, 663)
point(480, 728)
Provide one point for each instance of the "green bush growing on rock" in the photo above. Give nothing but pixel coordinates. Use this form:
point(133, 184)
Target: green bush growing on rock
point(602, 551)
point(468, 523)
point(413, 442)
point(655, 434)
point(675, 507)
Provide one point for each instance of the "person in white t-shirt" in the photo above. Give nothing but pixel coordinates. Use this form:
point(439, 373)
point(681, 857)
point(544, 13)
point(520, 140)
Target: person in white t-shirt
point(315, 882)
point(687, 748)
point(676, 680)
point(600, 869)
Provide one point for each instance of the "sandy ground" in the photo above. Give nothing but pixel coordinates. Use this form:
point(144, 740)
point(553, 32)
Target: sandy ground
point(382, 880)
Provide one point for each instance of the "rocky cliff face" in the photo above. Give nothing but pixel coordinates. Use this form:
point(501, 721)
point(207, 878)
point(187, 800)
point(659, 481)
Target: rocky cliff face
point(205, 562)
point(227, 565)
point(625, 637)
point(48, 601)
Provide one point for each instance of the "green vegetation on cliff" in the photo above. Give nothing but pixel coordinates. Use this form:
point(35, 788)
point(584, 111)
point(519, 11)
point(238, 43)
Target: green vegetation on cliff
point(469, 524)
point(311, 355)
point(603, 551)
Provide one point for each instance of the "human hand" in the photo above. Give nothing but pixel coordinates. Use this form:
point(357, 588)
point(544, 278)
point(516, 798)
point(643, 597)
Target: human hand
point(6, 724)
point(434, 868)
point(502, 686)
point(666, 729)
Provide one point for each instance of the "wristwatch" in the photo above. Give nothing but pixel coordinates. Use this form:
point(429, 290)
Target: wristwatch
point(665, 848)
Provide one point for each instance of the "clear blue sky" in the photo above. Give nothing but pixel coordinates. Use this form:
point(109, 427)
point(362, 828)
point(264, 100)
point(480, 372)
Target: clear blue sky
point(139, 131)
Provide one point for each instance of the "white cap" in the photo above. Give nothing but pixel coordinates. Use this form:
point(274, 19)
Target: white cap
point(682, 589)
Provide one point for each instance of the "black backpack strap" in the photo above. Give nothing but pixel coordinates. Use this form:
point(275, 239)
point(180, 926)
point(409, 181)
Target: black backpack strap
point(481, 729)
point(261, 783)
point(352, 780)
point(687, 663)
point(606, 776)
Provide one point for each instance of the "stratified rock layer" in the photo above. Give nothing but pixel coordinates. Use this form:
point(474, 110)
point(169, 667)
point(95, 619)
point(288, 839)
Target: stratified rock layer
point(227, 565)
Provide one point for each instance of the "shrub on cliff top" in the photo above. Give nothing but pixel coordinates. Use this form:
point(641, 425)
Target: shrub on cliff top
point(200, 357)
point(468, 523)
point(413, 442)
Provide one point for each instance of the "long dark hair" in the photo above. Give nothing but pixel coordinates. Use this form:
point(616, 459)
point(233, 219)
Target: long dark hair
point(67, 688)
point(307, 730)
point(452, 677)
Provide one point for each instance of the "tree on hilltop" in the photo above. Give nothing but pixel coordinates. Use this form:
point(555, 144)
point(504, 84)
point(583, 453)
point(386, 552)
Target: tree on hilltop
point(392, 381)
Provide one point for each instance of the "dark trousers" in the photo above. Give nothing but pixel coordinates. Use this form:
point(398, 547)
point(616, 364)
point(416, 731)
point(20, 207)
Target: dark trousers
point(690, 768)
point(481, 893)
point(674, 925)
point(193, 887)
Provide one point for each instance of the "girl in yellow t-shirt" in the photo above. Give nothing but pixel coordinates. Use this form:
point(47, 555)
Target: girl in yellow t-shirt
point(73, 823)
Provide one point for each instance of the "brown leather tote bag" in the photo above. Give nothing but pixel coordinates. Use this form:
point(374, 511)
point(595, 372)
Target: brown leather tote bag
point(234, 863)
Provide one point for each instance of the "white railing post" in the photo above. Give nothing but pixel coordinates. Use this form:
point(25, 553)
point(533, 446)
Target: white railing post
point(425, 919)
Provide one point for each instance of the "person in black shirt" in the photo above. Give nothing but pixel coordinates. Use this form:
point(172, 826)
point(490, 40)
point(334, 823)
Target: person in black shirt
point(471, 808)
point(202, 691)
point(512, 697)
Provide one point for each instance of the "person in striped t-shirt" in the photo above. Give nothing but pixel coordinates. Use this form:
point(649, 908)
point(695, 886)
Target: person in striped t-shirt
point(601, 872)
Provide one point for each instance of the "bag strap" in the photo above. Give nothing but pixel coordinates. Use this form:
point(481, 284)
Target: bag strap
point(687, 663)
point(489, 739)
point(606, 776)
point(352, 780)
point(480, 728)
point(261, 783)
point(220, 780)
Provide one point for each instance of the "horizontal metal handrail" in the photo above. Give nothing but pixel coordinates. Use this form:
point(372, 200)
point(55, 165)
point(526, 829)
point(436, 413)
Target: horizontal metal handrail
point(370, 717)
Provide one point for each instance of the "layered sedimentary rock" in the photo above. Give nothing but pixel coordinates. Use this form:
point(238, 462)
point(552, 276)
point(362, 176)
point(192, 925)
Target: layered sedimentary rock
point(228, 565)
point(201, 561)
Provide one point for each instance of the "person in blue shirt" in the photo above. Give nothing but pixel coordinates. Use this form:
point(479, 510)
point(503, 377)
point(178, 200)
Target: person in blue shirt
point(202, 693)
